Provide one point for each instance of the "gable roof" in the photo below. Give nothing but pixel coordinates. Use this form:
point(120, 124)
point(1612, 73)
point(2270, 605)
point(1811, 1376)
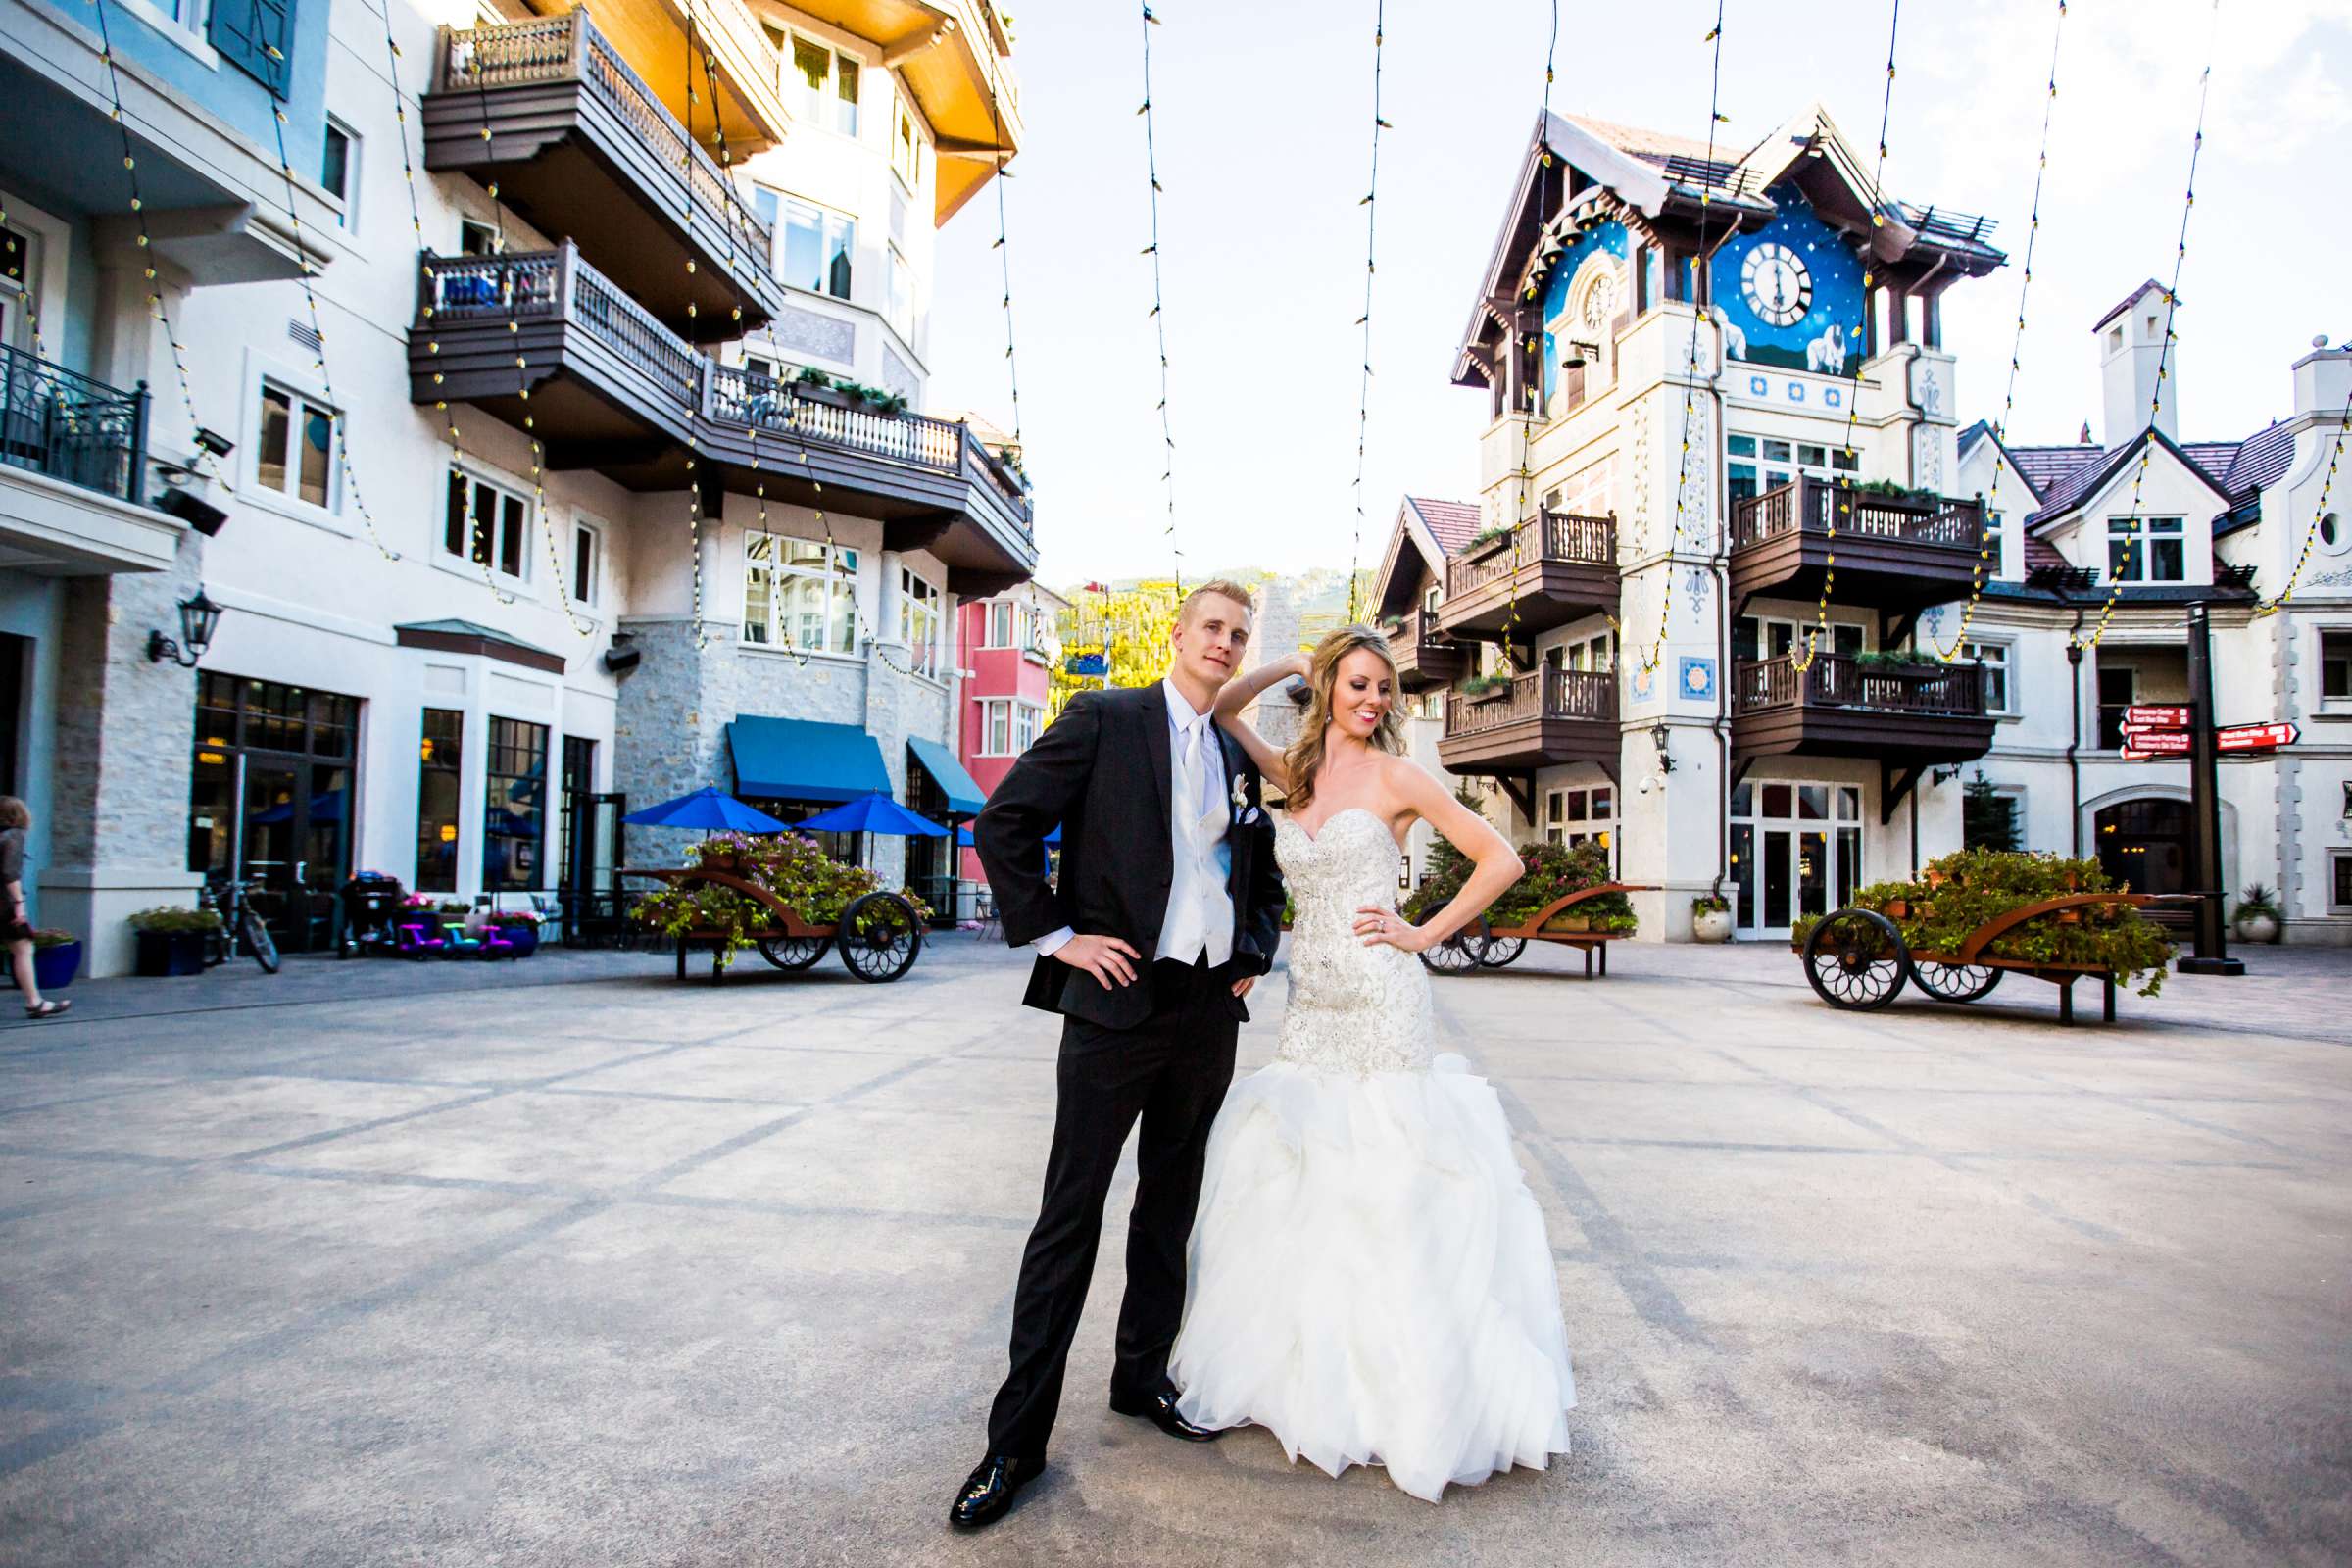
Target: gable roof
point(2090, 478)
point(2047, 468)
point(1451, 522)
point(2261, 460)
point(1983, 430)
point(2126, 303)
point(1433, 529)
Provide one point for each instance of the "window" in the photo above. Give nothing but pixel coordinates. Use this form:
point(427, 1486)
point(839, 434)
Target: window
point(827, 85)
point(1008, 726)
point(1758, 464)
point(1992, 816)
point(587, 549)
point(2335, 666)
point(919, 605)
point(1001, 622)
point(440, 775)
point(1993, 542)
point(1995, 657)
point(2118, 689)
point(295, 453)
point(819, 247)
point(339, 169)
point(905, 152)
point(486, 522)
point(1580, 816)
point(2146, 550)
point(515, 809)
point(2340, 876)
point(900, 311)
point(476, 238)
point(800, 594)
point(1596, 653)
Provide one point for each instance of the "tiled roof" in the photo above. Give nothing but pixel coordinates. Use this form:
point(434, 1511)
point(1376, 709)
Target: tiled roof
point(2125, 304)
point(2045, 466)
point(2214, 456)
point(2082, 478)
point(2260, 460)
point(2040, 552)
point(1451, 522)
point(1650, 146)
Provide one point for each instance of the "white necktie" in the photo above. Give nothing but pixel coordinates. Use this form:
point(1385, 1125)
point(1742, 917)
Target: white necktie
point(1193, 778)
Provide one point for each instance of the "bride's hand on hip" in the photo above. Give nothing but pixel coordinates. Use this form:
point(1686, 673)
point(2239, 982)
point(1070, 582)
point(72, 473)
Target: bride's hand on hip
point(1375, 926)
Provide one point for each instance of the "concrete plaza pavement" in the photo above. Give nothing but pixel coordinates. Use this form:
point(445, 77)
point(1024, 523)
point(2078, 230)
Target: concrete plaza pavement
point(576, 1265)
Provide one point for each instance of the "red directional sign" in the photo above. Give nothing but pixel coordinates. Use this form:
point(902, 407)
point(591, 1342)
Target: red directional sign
point(2256, 737)
point(2155, 742)
point(2156, 719)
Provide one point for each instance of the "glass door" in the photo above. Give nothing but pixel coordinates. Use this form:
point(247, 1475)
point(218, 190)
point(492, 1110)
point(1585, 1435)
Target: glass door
point(1796, 850)
point(269, 800)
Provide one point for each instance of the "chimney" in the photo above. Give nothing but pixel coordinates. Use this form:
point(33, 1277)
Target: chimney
point(2130, 348)
point(2322, 383)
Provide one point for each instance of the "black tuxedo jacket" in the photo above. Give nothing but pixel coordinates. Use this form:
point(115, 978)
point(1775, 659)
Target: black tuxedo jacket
point(1102, 770)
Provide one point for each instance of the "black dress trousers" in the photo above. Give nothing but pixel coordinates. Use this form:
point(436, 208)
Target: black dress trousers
point(1172, 1073)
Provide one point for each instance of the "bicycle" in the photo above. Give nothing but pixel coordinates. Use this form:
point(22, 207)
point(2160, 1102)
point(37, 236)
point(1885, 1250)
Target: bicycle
point(239, 919)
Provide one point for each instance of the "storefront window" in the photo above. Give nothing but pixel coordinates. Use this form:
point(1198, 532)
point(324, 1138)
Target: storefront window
point(439, 778)
point(515, 810)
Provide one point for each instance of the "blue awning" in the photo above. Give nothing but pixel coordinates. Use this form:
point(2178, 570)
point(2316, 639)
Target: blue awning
point(802, 759)
point(964, 795)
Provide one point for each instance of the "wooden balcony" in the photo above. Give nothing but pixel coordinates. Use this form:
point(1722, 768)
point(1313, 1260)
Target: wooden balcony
point(1906, 717)
point(550, 112)
point(1424, 657)
point(613, 390)
point(1896, 555)
point(1542, 719)
point(1546, 573)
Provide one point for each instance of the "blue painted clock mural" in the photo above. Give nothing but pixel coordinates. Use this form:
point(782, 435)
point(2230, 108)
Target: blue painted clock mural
point(1791, 292)
point(1608, 238)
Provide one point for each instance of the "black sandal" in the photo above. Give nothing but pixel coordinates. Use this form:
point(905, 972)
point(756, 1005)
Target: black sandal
point(47, 1009)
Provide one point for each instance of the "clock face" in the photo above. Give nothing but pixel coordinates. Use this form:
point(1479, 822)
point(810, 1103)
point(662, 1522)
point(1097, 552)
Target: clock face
point(1779, 288)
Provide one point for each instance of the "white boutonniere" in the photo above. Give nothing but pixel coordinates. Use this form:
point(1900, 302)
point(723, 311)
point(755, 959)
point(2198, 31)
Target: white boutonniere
point(1240, 794)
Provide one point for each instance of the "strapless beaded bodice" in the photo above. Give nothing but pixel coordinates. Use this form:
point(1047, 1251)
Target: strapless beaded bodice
point(1353, 1008)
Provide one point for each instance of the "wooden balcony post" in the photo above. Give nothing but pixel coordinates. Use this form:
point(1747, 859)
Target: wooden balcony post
point(567, 257)
point(577, 23)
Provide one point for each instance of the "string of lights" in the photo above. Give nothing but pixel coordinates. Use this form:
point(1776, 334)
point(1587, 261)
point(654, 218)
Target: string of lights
point(2164, 347)
point(477, 532)
point(1649, 662)
point(1843, 494)
point(2319, 514)
point(1159, 317)
point(1371, 206)
point(138, 209)
point(326, 378)
point(1522, 349)
point(1004, 250)
point(694, 486)
point(1985, 566)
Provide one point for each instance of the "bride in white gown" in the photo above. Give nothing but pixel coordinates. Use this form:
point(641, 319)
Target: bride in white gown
point(1369, 1276)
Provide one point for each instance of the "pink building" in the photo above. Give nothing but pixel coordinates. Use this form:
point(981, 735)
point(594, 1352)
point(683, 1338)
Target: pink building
point(1011, 648)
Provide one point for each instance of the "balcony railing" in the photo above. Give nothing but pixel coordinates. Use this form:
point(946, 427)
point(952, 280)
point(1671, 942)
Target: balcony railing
point(1552, 536)
point(64, 425)
point(557, 285)
point(1816, 507)
point(570, 48)
point(1576, 695)
point(1416, 630)
point(1840, 681)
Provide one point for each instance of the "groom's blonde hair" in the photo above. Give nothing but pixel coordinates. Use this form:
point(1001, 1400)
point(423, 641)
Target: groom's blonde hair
point(1217, 588)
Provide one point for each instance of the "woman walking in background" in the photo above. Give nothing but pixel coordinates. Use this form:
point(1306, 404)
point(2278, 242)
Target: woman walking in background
point(15, 821)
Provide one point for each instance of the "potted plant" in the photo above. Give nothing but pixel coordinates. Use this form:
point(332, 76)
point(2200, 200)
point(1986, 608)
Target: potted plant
point(171, 939)
point(1710, 919)
point(521, 928)
point(2258, 916)
point(1483, 688)
point(55, 959)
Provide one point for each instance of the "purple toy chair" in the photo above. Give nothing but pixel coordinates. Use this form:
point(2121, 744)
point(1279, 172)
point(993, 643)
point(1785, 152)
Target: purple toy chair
point(419, 941)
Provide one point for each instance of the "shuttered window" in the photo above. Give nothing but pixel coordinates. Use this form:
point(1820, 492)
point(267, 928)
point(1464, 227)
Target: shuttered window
point(257, 36)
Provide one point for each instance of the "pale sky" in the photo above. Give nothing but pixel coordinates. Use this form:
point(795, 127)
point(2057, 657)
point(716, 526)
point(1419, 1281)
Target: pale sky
point(1263, 114)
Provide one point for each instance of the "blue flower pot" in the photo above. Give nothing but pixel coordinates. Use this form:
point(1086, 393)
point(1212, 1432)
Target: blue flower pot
point(54, 968)
point(525, 939)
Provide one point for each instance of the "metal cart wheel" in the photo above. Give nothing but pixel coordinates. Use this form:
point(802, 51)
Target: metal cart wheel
point(1499, 951)
point(1955, 981)
point(793, 953)
point(1856, 960)
point(1460, 953)
point(879, 937)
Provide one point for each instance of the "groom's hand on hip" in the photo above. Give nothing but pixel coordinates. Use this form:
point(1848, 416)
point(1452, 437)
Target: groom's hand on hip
point(1109, 959)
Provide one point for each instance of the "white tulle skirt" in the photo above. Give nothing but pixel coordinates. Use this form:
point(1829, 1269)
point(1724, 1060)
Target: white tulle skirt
point(1370, 1279)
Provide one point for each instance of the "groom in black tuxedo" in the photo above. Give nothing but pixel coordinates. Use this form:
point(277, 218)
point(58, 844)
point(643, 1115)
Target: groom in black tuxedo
point(1169, 907)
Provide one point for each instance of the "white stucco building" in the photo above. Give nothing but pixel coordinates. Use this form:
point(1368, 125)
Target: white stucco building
point(536, 516)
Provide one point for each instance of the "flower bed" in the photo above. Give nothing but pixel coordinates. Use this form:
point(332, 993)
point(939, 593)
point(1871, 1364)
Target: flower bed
point(1550, 871)
point(1972, 887)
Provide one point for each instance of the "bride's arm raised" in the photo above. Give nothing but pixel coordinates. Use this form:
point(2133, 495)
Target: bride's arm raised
point(1238, 694)
point(1497, 863)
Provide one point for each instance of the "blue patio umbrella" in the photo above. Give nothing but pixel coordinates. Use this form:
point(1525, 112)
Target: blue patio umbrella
point(708, 808)
point(872, 813)
point(963, 836)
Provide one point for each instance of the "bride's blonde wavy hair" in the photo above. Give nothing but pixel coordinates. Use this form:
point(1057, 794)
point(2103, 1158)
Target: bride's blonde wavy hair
point(1305, 757)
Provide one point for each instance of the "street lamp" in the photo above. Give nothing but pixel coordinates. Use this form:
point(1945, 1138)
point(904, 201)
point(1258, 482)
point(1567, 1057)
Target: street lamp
point(197, 618)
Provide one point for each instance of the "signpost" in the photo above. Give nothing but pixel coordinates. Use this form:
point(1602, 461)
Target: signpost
point(2257, 737)
point(2212, 954)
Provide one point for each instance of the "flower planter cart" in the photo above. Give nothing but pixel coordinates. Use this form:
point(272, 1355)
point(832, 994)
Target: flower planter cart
point(1857, 959)
point(878, 936)
point(1484, 946)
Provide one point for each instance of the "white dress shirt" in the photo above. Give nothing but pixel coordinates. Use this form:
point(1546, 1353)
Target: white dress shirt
point(1198, 923)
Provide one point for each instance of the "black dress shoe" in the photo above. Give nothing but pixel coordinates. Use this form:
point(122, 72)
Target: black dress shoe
point(1161, 1410)
point(988, 1492)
